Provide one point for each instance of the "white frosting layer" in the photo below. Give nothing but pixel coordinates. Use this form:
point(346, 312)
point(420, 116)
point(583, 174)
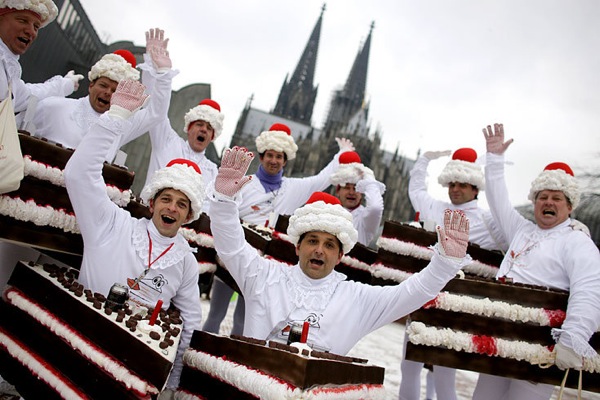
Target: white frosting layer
point(424, 253)
point(43, 371)
point(267, 387)
point(497, 309)
point(420, 334)
point(55, 176)
point(200, 238)
point(78, 342)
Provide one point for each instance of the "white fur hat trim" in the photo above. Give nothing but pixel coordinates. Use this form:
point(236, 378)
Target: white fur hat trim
point(462, 172)
point(556, 180)
point(46, 9)
point(350, 173)
point(322, 217)
point(277, 141)
point(113, 66)
point(205, 113)
point(179, 177)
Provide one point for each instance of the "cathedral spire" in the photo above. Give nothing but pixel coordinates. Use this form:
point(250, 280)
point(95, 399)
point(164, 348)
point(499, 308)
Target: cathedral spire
point(351, 99)
point(297, 96)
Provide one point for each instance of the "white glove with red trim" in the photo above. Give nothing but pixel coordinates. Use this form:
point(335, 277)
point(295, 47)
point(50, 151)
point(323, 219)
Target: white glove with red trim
point(232, 172)
point(454, 236)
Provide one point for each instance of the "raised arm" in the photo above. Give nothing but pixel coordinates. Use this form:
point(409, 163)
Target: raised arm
point(420, 198)
point(83, 173)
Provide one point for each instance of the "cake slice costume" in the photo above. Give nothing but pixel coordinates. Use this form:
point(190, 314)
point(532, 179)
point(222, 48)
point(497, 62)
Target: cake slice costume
point(548, 252)
point(339, 312)
point(119, 248)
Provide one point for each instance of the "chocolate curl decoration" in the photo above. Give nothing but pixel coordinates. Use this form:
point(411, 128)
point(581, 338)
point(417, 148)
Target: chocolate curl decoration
point(155, 312)
point(304, 336)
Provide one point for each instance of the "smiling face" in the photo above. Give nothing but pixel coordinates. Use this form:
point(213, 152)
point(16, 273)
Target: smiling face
point(272, 161)
point(170, 209)
point(18, 30)
point(101, 91)
point(200, 134)
point(348, 196)
point(461, 193)
point(551, 208)
point(318, 253)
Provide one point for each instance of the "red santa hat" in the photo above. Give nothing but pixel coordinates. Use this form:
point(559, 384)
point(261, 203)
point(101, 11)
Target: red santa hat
point(278, 138)
point(116, 66)
point(46, 10)
point(557, 176)
point(179, 174)
point(351, 170)
point(207, 110)
point(323, 213)
point(463, 169)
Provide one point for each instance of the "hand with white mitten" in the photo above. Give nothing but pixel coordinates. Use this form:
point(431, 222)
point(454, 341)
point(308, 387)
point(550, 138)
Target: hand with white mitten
point(567, 358)
point(494, 140)
point(156, 47)
point(127, 99)
point(434, 155)
point(453, 238)
point(344, 144)
point(75, 78)
point(232, 172)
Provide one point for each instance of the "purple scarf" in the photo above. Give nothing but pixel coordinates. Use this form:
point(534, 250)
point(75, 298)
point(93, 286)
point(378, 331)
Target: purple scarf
point(269, 182)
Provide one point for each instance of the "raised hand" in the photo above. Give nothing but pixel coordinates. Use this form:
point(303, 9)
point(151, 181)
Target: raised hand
point(344, 144)
point(75, 78)
point(155, 38)
point(494, 140)
point(160, 58)
point(127, 99)
point(453, 238)
point(232, 172)
point(434, 155)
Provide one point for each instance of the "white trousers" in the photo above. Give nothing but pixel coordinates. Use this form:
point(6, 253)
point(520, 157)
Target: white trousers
point(490, 387)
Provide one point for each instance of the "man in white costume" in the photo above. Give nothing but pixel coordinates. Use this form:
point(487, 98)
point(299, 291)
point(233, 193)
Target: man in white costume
point(202, 123)
point(548, 252)
point(20, 21)
point(339, 312)
point(148, 255)
point(66, 120)
point(352, 180)
point(464, 179)
point(268, 195)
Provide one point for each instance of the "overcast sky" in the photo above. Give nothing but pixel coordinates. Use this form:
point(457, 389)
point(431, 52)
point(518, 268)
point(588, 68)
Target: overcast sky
point(439, 70)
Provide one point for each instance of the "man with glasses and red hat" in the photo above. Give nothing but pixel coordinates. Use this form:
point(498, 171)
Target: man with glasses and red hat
point(550, 251)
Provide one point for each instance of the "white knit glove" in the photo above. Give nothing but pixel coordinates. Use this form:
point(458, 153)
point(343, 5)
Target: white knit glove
point(344, 144)
point(231, 176)
point(434, 155)
point(156, 47)
point(454, 236)
point(567, 358)
point(75, 78)
point(127, 99)
point(494, 140)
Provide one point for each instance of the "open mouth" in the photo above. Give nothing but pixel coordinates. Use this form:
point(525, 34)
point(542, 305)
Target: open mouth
point(548, 212)
point(317, 262)
point(25, 41)
point(201, 139)
point(103, 102)
point(167, 220)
